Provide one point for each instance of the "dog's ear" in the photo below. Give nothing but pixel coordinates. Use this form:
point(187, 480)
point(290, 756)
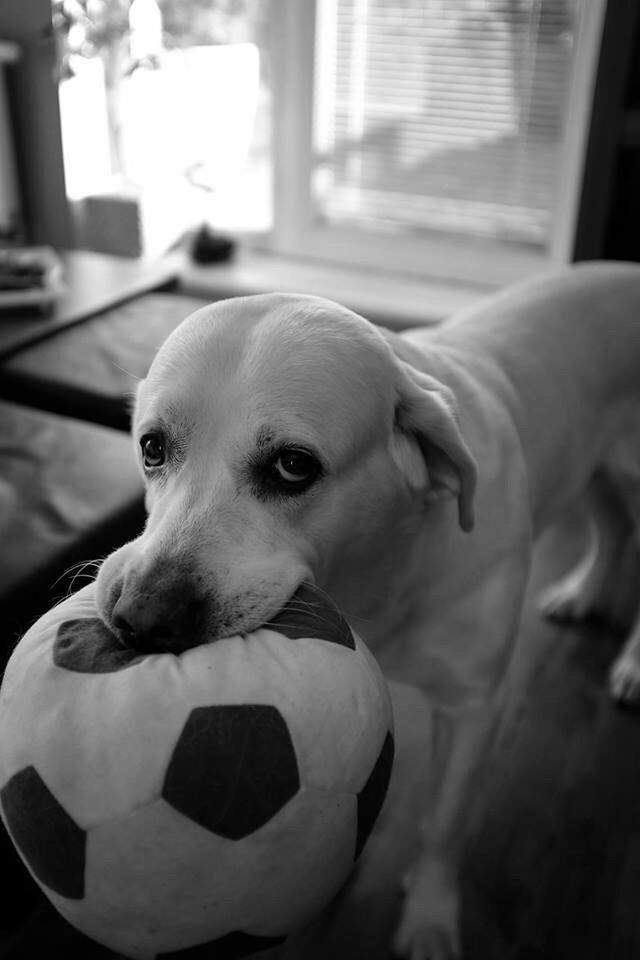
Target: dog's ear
point(428, 445)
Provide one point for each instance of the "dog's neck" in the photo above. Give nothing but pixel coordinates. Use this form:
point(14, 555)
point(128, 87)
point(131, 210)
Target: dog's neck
point(385, 598)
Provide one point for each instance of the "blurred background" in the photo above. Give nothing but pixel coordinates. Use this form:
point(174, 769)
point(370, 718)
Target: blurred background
point(441, 139)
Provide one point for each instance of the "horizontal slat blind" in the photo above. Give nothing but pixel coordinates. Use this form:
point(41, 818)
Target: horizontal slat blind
point(442, 115)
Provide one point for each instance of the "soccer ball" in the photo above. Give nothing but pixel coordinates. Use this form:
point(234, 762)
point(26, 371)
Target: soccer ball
point(220, 797)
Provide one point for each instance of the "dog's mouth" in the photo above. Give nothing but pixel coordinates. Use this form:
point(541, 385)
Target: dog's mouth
point(310, 612)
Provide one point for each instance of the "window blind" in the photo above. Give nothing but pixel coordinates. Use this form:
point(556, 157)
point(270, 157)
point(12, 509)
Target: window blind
point(442, 115)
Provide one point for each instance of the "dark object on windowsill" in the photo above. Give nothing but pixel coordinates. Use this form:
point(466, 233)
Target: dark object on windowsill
point(211, 247)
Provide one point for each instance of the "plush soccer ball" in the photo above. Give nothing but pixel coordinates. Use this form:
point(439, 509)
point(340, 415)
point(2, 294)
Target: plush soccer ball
point(219, 797)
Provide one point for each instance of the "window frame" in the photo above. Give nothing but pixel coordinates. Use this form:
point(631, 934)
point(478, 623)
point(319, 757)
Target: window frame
point(455, 258)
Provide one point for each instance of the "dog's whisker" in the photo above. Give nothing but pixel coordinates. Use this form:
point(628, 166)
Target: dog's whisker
point(308, 608)
point(78, 570)
point(129, 373)
point(79, 566)
point(298, 604)
point(305, 607)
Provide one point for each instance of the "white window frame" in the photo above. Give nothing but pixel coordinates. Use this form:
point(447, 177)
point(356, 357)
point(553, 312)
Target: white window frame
point(474, 260)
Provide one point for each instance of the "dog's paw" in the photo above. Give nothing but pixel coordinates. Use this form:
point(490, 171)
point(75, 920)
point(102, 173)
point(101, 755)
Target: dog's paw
point(569, 600)
point(425, 942)
point(624, 680)
point(429, 923)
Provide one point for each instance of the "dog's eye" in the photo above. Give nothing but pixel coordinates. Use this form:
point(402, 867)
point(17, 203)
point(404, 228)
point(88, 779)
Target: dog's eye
point(295, 468)
point(153, 451)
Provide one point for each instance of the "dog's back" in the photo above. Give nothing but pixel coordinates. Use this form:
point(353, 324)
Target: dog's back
point(568, 346)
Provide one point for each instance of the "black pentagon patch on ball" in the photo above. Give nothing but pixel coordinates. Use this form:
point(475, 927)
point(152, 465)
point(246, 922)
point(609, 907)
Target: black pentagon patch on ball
point(310, 613)
point(371, 797)
point(231, 947)
point(232, 768)
point(50, 841)
point(88, 646)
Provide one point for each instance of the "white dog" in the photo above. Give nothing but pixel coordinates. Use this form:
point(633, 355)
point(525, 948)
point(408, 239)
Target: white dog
point(284, 439)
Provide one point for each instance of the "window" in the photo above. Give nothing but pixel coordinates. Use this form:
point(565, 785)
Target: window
point(165, 114)
point(440, 137)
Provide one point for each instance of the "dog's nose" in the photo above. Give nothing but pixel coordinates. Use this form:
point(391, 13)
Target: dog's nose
point(124, 629)
point(172, 621)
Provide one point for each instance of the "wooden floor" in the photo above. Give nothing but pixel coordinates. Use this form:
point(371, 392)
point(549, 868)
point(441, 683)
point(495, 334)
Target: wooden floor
point(552, 869)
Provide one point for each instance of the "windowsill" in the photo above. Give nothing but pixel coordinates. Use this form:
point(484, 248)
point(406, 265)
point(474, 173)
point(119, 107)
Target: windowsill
point(389, 299)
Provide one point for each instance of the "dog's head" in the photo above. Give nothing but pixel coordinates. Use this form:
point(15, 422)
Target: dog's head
point(277, 436)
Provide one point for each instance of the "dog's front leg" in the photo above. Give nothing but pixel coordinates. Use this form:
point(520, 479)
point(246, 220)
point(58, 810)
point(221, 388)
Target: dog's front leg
point(429, 925)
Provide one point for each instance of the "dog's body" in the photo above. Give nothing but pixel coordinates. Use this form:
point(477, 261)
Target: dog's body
point(291, 440)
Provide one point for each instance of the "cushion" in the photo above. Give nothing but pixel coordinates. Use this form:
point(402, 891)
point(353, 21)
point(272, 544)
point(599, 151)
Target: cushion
point(69, 492)
point(90, 370)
